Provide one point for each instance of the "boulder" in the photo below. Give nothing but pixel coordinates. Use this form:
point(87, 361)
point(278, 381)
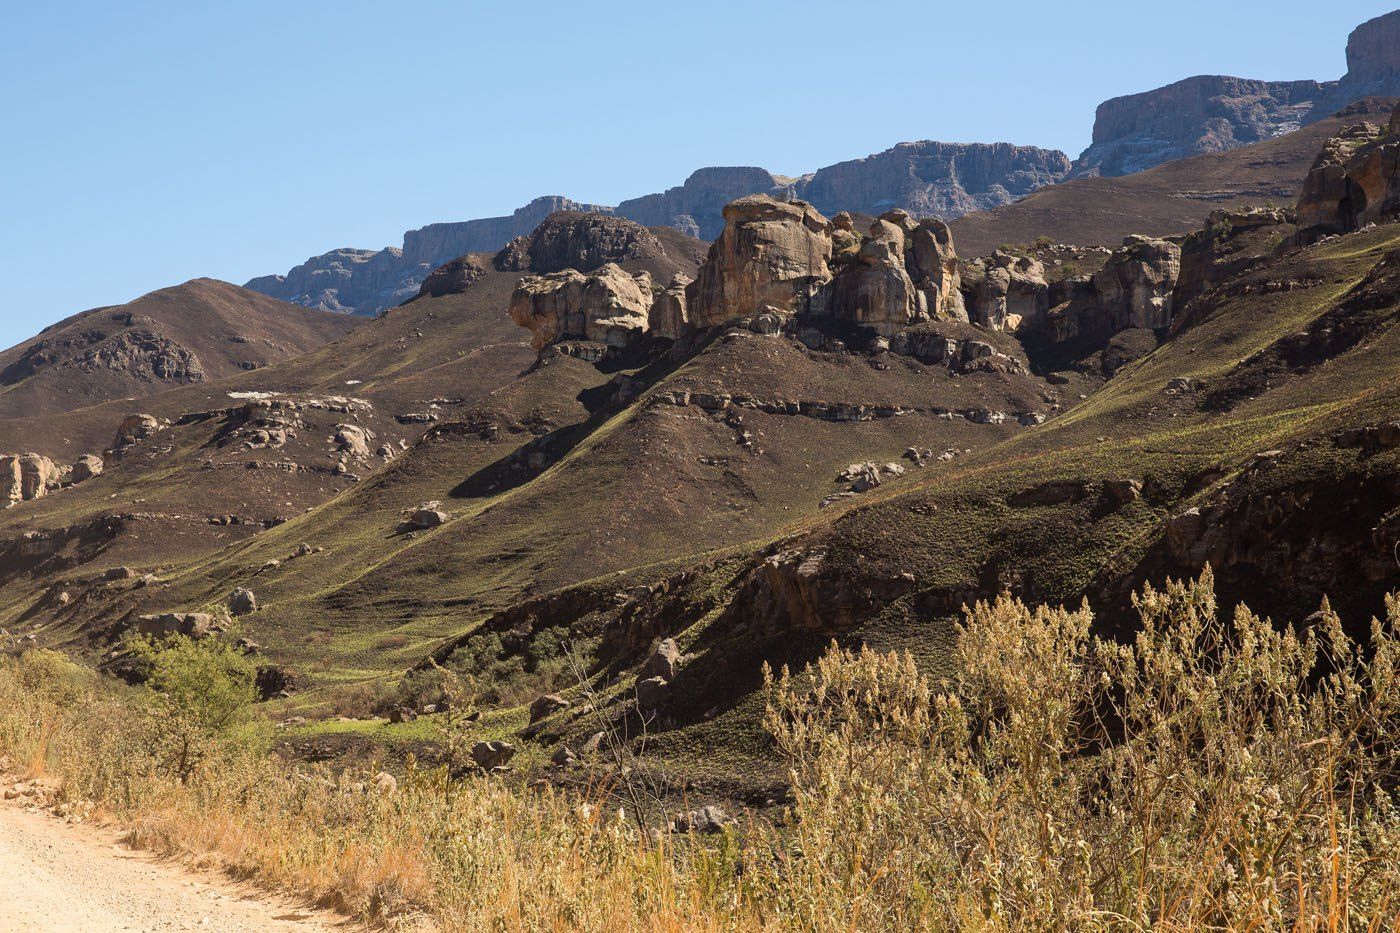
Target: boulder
point(663, 661)
point(428, 518)
point(353, 439)
point(1354, 181)
point(134, 428)
point(242, 601)
point(85, 468)
point(27, 476)
point(492, 755)
point(710, 819)
point(547, 705)
point(609, 306)
point(166, 624)
point(771, 253)
point(652, 693)
point(1123, 491)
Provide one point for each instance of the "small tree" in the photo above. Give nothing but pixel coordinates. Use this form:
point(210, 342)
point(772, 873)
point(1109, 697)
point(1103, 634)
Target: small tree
point(201, 691)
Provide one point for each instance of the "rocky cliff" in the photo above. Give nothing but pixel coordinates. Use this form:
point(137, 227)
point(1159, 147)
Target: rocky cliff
point(1354, 182)
point(1212, 113)
point(926, 179)
point(932, 179)
point(367, 282)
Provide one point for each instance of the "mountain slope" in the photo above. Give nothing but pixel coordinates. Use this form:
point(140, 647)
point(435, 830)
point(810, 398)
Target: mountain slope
point(197, 332)
point(1169, 199)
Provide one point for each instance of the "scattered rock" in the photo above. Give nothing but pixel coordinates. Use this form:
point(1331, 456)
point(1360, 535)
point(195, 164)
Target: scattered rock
point(706, 820)
point(547, 705)
point(242, 601)
point(663, 661)
point(492, 755)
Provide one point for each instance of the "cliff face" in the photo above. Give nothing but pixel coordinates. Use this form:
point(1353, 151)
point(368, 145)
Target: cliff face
point(696, 207)
point(1212, 113)
point(367, 282)
point(933, 179)
point(927, 179)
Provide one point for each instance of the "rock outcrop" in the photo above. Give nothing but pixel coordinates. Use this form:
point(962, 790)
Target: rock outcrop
point(1135, 286)
point(27, 476)
point(1354, 182)
point(1212, 113)
point(455, 277)
point(772, 255)
point(582, 242)
point(1007, 292)
point(609, 306)
point(669, 316)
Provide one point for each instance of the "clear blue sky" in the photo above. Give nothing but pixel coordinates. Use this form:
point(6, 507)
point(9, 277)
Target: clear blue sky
point(146, 143)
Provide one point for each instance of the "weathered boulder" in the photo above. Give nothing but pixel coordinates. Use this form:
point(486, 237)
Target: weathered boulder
point(242, 601)
point(932, 264)
point(771, 253)
point(663, 661)
point(492, 755)
point(85, 468)
point(353, 439)
point(428, 517)
point(710, 819)
point(583, 242)
point(652, 693)
point(134, 428)
point(1355, 181)
point(27, 476)
point(547, 705)
point(165, 624)
point(1008, 292)
point(609, 306)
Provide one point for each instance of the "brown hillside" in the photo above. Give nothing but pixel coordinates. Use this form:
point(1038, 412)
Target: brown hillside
point(197, 332)
point(1172, 198)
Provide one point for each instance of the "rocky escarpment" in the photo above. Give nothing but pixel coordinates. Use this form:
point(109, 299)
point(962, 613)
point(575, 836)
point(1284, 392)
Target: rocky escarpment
point(926, 179)
point(696, 207)
point(932, 179)
point(782, 268)
point(367, 282)
point(1212, 113)
point(1354, 182)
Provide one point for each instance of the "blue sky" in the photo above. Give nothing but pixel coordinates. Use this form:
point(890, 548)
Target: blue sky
point(146, 143)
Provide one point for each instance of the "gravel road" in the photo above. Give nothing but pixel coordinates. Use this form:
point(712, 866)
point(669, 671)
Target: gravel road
point(58, 877)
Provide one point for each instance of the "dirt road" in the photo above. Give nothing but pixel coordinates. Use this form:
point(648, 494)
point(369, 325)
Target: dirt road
point(57, 877)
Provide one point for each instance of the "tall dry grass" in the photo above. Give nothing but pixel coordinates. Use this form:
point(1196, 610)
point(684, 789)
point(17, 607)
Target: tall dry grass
point(1212, 774)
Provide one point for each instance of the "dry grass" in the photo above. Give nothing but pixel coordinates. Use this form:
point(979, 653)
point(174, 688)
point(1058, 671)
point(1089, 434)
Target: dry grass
point(1212, 774)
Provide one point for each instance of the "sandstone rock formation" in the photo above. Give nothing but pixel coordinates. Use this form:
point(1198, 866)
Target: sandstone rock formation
point(1354, 182)
point(669, 316)
point(609, 306)
point(1230, 242)
point(1135, 286)
point(85, 468)
point(453, 278)
point(27, 476)
point(772, 254)
point(132, 430)
point(875, 291)
point(582, 242)
point(1211, 113)
point(1007, 292)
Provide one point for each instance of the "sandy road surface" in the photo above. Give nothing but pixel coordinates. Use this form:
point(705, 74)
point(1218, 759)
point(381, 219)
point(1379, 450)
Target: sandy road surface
point(57, 877)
